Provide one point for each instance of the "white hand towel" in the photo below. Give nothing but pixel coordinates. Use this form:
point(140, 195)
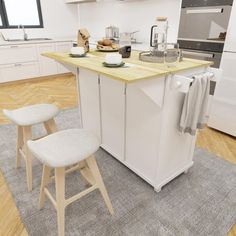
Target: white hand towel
point(193, 115)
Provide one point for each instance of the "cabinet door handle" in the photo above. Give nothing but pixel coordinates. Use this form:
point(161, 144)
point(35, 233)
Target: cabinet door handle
point(18, 64)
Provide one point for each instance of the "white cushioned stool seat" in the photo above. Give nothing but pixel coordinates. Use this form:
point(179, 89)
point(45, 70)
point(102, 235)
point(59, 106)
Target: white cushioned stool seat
point(31, 115)
point(65, 147)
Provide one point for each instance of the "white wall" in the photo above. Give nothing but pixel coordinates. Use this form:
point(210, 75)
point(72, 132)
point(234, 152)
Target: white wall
point(129, 16)
point(60, 20)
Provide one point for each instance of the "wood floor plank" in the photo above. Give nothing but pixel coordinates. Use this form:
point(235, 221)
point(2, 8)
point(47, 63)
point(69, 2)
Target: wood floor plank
point(62, 91)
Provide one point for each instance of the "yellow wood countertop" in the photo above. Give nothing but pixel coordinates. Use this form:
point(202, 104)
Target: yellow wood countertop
point(134, 70)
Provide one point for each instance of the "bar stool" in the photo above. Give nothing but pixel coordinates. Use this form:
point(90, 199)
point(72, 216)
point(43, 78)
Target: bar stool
point(61, 150)
point(25, 118)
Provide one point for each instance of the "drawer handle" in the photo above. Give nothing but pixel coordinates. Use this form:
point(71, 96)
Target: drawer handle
point(14, 46)
point(18, 64)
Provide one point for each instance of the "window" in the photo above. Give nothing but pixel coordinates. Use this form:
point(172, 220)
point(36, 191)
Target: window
point(20, 12)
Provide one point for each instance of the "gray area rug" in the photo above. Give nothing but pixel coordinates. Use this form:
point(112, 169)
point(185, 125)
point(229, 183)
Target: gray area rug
point(202, 202)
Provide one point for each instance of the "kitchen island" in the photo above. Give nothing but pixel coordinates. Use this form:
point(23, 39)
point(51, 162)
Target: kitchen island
point(135, 110)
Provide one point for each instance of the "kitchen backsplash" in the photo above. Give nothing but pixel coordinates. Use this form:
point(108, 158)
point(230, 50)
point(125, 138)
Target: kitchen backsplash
point(129, 16)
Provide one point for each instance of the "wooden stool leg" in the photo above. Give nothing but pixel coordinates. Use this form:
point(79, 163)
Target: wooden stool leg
point(44, 182)
point(19, 145)
point(28, 157)
point(50, 126)
point(60, 199)
point(82, 164)
point(92, 164)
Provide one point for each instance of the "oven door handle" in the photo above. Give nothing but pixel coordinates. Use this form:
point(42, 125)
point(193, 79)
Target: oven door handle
point(207, 55)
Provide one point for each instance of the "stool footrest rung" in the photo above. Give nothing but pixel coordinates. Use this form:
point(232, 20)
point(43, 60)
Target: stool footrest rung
point(50, 197)
point(71, 199)
point(86, 173)
point(81, 194)
point(70, 170)
point(22, 153)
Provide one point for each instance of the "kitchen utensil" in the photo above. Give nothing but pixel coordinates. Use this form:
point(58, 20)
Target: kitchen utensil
point(125, 51)
point(113, 65)
point(112, 32)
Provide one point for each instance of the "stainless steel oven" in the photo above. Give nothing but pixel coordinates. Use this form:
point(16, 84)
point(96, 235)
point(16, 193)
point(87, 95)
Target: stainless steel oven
point(200, 20)
point(202, 50)
point(202, 55)
point(203, 27)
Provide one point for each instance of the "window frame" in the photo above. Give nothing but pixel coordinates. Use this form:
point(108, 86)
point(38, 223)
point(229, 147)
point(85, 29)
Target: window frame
point(5, 22)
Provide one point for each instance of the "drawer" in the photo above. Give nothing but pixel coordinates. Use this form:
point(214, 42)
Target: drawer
point(17, 54)
point(18, 71)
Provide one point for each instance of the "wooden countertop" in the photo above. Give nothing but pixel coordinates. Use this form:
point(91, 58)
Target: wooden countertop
point(134, 70)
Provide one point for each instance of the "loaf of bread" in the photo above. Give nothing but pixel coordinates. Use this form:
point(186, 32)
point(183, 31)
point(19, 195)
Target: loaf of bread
point(107, 44)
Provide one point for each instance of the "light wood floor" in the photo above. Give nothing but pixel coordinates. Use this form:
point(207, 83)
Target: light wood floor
point(62, 91)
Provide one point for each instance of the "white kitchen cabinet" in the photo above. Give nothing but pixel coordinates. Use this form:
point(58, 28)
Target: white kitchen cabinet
point(138, 119)
point(88, 85)
point(18, 71)
point(112, 95)
point(46, 66)
point(17, 54)
point(24, 61)
point(63, 47)
point(143, 119)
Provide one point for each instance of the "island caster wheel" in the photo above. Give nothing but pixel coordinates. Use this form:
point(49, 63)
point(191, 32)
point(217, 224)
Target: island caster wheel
point(186, 171)
point(158, 189)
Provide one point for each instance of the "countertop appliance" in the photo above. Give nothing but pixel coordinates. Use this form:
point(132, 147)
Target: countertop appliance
point(223, 111)
point(112, 32)
point(203, 27)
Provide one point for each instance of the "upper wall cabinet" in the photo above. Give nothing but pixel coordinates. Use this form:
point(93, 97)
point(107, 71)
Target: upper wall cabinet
point(79, 1)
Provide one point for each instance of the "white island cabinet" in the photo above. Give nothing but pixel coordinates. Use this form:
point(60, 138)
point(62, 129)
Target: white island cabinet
point(135, 111)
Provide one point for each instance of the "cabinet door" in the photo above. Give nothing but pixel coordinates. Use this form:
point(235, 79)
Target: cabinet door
point(63, 47)
point(17, 54)
point(113, 116)
point(46, 66)
point(143, 126)
point(18, 71)
point(89, 101)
